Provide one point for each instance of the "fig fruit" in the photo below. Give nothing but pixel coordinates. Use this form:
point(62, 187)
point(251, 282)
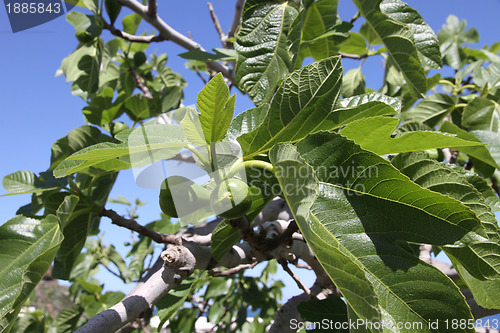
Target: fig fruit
point(231, 198)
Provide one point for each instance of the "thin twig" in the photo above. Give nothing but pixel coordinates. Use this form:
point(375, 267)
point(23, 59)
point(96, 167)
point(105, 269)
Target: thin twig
point(134, 226)
point(355, 17)
point(132, 38)
point(494, 185)
point(300, 284)
point(140, 84)
point(235, 270)
point(353, 56)
point(215, 20)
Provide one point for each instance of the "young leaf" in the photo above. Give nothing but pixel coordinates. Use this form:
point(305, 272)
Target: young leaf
point(374, 134)
point(216, 109)
point(398, 39)
point(353, 83)
point(266, 47)
point(451, 38)
point(192, 127)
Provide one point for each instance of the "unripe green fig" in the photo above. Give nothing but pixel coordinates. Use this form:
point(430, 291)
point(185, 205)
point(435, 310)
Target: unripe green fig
point(231, 199)
point(180, 196)
point(84, 36)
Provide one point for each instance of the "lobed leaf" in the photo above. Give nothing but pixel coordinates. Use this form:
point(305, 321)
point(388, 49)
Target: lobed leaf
point(358, 205)
point(374, 134)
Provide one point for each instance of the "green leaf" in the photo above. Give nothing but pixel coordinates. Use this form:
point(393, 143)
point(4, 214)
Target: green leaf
point(431, 110)
point(145, 145)
point(353, 83)
point(27, 249)
point(24, 181)
point(170, 303)
point(65, 210)
point(481, 114)
point(398, 39)
point(331, 308)
point(76, 140)
point(69, 65)
point(67, 319)
point(266, 47)
point(365, 209)
point(102, 109)
point(304, 103)
point(451, 38)
point(131, 23)
point(492, 140)
point(88, 81)
point(139, 107)
point(424, 37)
point(483, 187)
point(374, 134)
point(220, 54)
point(365, 99)
point(223, 238)
point(322, 30)
point(481, 153)
point(482, 259)
point(216, 109)
point(355, 44)
point(247, 121)
point(192, 127)
point(113, 8)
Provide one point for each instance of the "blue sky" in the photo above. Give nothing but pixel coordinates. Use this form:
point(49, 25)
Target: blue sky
point(37, 108)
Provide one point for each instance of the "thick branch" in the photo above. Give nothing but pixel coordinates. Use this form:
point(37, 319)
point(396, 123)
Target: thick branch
point(134, 226)
point(138, 303)
point(168, 33)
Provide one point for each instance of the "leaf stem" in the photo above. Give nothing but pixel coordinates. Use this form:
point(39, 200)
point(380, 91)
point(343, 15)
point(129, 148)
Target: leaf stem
point(198, 154)
point(250, 164)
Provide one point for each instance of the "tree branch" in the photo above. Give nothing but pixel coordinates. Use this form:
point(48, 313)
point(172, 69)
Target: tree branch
point(353, 56)
point(152, 8)
point(236, 18)
point(132, 38)
point(215, 20)
point(299, 283)
point(134, 226)
point(168, 33)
